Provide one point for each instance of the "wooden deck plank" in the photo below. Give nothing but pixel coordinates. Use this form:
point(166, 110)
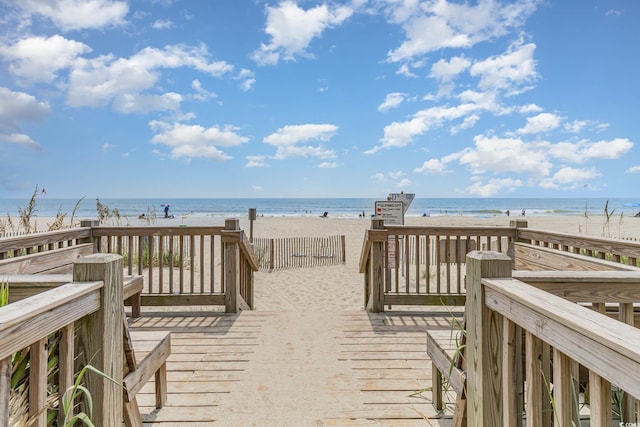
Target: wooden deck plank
point(384, 370)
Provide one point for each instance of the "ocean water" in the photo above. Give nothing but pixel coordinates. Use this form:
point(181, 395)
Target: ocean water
point(336, 208)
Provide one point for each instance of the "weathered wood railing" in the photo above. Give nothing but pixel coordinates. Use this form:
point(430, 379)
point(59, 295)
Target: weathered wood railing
point(299, 252)
point(180, 265)
point(186, 265)
point(87, 312)
point(615, 250)
point(405, 265)
point(558, 333)
point(40, 242)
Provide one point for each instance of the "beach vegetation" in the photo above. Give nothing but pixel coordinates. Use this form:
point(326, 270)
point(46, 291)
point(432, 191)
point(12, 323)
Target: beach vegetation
point(169, 258)
point(26, 222)
point(107, 215)
point(606, 230)
point(27, 212)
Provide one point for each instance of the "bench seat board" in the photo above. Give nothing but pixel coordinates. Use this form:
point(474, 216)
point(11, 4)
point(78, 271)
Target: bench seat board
point(152, 350)
point(442, 347)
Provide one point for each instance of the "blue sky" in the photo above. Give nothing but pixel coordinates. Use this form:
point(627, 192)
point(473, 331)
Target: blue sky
point(249, 98)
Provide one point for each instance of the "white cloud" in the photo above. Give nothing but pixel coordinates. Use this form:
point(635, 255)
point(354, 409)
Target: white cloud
point(434, 25)
point(404, 70)
point(194, 141)
point(107, 147)
point(446, 71)
point(77, 14)
point(380, 177)
point(543, 122)
point(255, 162)
point(288, 140)
point(568, 177)
point(138, 103)
point(18, 107)
point(404, 183)
point(582, 151)
point(201, 94)
point(328, 165)
point(511, 72)
point(392, 100)
point(493, 187)
point(467, 123)
point(20, 139)
point(247, 79)
point(292, 29)
point(634, 169)
point(433, 166)
point(492, 154)
point(39, 59)
point(529, 108)
point(401, 134)
point(163, 24)
point(100, 81)
point(576, 126)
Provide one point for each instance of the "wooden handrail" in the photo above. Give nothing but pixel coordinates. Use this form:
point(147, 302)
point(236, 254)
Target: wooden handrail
point(590, 287)
point(8, 244)
point(31, 319)
point(590, 243)
point(104, 231)
point(247, 251)
point(603, 345)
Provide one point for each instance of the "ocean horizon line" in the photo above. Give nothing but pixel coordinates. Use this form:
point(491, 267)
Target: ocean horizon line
point(347, 207)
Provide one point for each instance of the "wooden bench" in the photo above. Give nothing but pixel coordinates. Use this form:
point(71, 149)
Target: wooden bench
point(446, 351)
point(53, 268)
point(145, 355)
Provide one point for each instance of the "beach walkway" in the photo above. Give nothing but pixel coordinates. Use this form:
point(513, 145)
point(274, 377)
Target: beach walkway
point(307, 356)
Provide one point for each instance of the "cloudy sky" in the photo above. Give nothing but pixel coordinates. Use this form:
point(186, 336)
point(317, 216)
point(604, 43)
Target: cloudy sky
point(307, 98)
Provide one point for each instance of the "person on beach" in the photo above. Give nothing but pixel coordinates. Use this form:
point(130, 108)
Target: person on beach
point(166, 211)
point(523, 212)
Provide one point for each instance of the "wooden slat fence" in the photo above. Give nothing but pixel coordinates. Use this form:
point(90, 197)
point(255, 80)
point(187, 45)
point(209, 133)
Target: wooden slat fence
point(299, 252)
point(180, 265)
point(174, 261)
point(425, 265)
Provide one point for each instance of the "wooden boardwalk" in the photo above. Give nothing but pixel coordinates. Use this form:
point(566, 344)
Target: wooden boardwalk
point(256, 368)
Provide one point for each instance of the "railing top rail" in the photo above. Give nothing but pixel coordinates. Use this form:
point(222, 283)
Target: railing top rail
point(538, 276)
point(31, 319)
point(624, 247)
point(247, 250)
point(155, 230)
point(37, 239)
point(586, 286)
point(451, 230)
point(604, 345)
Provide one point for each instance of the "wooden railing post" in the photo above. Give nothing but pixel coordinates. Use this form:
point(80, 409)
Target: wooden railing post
point(484, 341)
point(99, 336)
point(231, 265)
point(517, 224)
point(90, 223)
point(376, 277)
